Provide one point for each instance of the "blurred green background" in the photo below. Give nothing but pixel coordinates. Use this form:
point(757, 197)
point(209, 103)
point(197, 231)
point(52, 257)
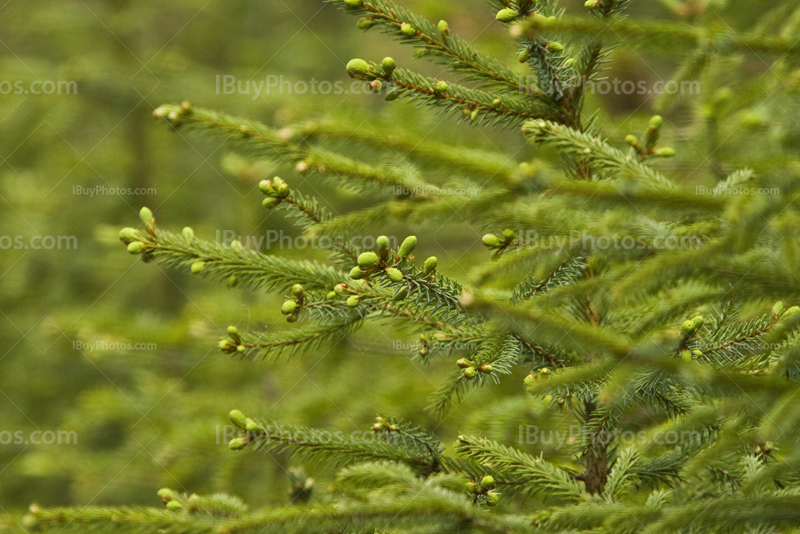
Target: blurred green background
point(122, 355)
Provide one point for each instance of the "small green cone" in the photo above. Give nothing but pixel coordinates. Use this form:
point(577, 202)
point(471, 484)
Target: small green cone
point(632, 140)
point(444, 28)
point(665, 152)
point(357, 67)
point(135, 247)
point(388, 65)
point(166, 494)
point(174, 506)
point(147, 216)
point(488, 482)
point(237, 444)
point(253, 427)
point(128, 234)
point(698, 322)
point(430, 266)
point(356, 273)
point(790, 312)
point(238, 419)
point(368, 260)
point(463, 363)
point(555, 46)
point(407, 247)
point(331, 295)
point(407, 29)
point(492, 241)
point(187, 233)
point(297, 290)
point(395, 275)
point(524, 55)
point(354, 3)
point(470, 373)
point(492, 499)
point(687, 326)
point(442, 86)
point(198, 266)
point(382, 242)
point(365, 23)
point(657, 122)
point(507, 15)
point(686, 355)
point(288, 307)
point(270, 202)
point(352, 301)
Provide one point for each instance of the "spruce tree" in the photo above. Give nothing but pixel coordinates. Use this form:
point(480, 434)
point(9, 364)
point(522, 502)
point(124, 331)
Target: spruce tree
point(640, 301)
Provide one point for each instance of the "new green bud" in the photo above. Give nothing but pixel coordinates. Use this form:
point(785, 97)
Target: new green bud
point(407, 29)
point(237, 444)
point(395, 275)
point(444, 28)
point(492, 499)
point(463, 363)
point(492, 241)
point(352, 301)
point(146, 216)
point(382, 242)
point(241, 348)
point(166, 494)
point(288, 307)
point(524, 55)
point(233, 331)
point(356, 273)
point(430, 265)
point(270, 202)
point(265, 186)
point(174, 506)
point(331, 295)
point(388, 65)
point(354, 3)
point(509, 235)
point(507, 15)
point(198, 266)
point(485, 368)
point(232, 280)
point(488, 482)
point(790, 312)
point(665, 152)
point(187, 233)
point(687, 326)
point(656, 122)
point(368, 260)
point(470, 372)
point(686, 355)
point(238, 419)
point(224, 344)
point(401, 295)
point(778, 309)
point(473, 116)
point(252, 427)
point(470, 487)
point(128, 234)
point(441, 86)
point(135, 247)
point(591, 4)
point(357, 67)
point(407, 247)
point(365, 23)
point(632, 140)
point(555, 46)
point(697, 322)
point(297, 290)
point(496, 103)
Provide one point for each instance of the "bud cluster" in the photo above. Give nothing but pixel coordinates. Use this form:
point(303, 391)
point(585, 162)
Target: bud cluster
point(275, 190)
point(246, 424)
point(499, 243)
point(648, 148)
point(482, 491)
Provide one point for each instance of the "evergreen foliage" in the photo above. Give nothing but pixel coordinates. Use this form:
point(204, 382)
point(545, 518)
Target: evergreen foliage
point(664, 320)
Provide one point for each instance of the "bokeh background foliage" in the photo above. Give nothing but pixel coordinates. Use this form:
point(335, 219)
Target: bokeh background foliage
point(149, 417)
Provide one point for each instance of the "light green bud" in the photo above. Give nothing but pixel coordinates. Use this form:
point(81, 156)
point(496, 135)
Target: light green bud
point(187, 233)
point(368, 260)
point(492, 241)
point(394, 274)
point(252, 427)
point(288, 307)
point(146, 216)
point(407, 247)
point(357, 67)
point(407, 29)
point(238, 419)
point(442, 86)
point(356, 273)
point(430, 265)
point(656, 122)
point(444, 28)
point(352, 301)
point(388, 65)
point(198, 266)
point(488, 482)
point(129, 234)
point(135, 247)
point(237, 444)
point(507, 15)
